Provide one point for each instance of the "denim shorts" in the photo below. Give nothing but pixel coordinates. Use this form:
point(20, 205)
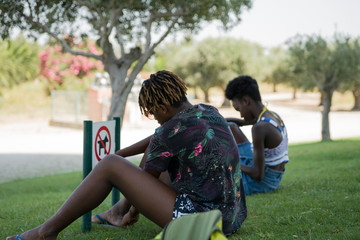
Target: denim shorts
point(183, 206)
point(271, 180)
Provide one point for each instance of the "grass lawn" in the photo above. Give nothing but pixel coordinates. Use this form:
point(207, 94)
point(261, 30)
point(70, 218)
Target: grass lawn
point(319, 198)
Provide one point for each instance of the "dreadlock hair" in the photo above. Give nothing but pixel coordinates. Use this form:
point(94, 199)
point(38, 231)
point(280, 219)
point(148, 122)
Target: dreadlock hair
point(241, 86)
point(163, 87)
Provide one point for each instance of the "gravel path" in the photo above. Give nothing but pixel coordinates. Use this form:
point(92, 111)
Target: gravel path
point(33, 148)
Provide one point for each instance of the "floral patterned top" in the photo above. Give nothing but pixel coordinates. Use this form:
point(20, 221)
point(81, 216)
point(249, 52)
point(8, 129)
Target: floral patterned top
point(197, 148)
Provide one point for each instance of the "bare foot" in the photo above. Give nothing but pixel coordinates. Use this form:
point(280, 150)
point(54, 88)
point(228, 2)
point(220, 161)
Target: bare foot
point(35, 233)
point(109, 217)
point(116, 218)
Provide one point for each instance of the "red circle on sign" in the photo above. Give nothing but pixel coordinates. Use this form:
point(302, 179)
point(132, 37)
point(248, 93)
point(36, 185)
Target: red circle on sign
point(98, 136)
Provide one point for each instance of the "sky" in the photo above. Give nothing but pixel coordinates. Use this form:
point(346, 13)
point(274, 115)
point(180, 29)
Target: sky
point(271, 22)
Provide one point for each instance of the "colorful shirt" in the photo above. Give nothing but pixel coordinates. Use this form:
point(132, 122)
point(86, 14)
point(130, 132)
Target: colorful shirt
point(198, 150)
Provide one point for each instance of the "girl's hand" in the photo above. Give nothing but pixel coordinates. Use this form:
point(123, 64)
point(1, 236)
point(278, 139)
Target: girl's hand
point(241, 122)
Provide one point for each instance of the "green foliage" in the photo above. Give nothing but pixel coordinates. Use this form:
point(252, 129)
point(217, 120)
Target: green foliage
point(318, 199)
point(352, 63)
point(211, 62)
point(351, 82)
point(27, 99)
point(325, 63)
point(133, 16)
point(281, 71)
point(19, 62)
point(139, 26)
point(254, 59)
point(26, 14)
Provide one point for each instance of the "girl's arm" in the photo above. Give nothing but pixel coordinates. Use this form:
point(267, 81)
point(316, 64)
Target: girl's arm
point(258, 170)
point(240, 122)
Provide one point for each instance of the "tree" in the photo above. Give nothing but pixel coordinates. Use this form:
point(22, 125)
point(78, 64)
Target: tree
point(325, 64)
point(352, 81)
point(213, 62)
point(19, 62)
point(281, 74)
point(288, 73)
point(138, 27)
point(275, 67)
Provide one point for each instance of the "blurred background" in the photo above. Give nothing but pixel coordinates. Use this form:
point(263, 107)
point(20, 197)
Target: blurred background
point(64, 62)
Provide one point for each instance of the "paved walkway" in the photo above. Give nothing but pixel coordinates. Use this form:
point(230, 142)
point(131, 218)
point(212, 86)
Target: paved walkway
point(33, 148)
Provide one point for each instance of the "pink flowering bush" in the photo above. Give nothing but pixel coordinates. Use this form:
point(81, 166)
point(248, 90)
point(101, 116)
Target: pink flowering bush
point(61, 68)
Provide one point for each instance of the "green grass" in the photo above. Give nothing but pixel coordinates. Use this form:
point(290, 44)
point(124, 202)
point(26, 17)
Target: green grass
point(27, 100)
point(319, 198)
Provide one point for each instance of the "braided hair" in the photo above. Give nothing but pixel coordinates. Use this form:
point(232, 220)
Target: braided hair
point(163, 87)
point(241, 86)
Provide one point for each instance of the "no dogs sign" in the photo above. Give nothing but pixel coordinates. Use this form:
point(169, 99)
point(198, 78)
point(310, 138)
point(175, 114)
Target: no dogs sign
point(103, 140)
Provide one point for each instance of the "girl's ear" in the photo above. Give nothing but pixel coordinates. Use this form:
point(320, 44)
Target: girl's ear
point(246, 100)
point(163, 108)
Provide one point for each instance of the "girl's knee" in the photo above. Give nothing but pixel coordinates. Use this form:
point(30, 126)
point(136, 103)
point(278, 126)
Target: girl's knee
point(110, 160)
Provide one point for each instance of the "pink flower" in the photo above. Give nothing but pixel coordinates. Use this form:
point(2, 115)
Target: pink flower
point(176, 129)
point(58, 48)
point(165, 154)
point(93, 48)
point(59, 66)
point(198, 149)
point(178, 176)
point(43, 56)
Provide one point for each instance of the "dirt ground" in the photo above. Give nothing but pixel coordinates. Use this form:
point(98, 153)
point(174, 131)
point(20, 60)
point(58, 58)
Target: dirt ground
point(30, 147)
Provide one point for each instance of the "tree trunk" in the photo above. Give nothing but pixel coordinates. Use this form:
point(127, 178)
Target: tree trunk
point(322, 96)
point(226, 103)
point(207, 99)
point(117, 107)
point(122, 78)
point(196, 94)
point(206, 94)
point(274, 88)
point(121, 85)
point(356, 94)
point(327, 98)
point(294, 93)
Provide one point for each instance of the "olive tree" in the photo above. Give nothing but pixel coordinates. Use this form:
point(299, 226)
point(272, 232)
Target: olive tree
point(137, 27)
point(352, 81)
point(325, 63)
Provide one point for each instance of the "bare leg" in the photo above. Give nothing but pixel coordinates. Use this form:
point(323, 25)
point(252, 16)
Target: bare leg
point(115, 214)
point(150, 196)
point(238, 134)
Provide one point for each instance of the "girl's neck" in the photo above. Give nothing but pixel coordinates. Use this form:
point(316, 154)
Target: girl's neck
point(260, 110)
point(184, 106)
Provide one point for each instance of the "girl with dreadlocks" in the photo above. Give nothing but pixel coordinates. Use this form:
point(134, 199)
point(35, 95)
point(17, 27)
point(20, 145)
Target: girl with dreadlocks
point(193, 148)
